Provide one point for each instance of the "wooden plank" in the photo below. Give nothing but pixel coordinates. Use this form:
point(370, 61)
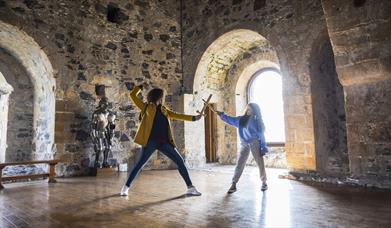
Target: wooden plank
point(1, 178)
point(210, 135)
point(275, 144)
point(2, 165)
point(52, 173)
point(213, 131)
point(31, 176)
point(207, 136)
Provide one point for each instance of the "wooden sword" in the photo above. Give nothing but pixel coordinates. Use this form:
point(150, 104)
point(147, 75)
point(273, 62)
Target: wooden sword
point(205, 105)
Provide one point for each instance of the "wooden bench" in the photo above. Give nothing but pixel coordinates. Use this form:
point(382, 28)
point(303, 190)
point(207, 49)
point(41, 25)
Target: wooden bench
point(51, 174)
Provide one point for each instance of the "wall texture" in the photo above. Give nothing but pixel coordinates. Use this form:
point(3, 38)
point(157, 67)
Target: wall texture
point(328, 110)
point(291, 28)
point(160, 43)
point(5, 90)
point(20, 106)
point(90, 42)
point(360, 32)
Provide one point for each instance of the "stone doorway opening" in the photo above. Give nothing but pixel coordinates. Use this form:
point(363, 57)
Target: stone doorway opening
point(31, 108)
point(210, 135)
point(265, 89)
point(225, 70)
point(17, 118)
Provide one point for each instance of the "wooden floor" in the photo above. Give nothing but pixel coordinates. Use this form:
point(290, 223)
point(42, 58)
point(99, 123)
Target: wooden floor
point(156, 200)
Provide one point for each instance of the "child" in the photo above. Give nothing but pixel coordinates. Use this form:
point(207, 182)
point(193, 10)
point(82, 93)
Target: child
point(251, 131)
point(154, 133)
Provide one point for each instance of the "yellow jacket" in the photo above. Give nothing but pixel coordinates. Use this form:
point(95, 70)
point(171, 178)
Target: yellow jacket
point(144, 130)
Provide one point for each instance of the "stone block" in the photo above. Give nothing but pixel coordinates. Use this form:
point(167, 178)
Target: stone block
point(296, 121)
point(362, 73)
point(60, 106)
point(64, 116)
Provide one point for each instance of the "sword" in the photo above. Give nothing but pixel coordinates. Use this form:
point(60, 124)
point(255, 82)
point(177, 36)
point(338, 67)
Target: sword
point(202, 112)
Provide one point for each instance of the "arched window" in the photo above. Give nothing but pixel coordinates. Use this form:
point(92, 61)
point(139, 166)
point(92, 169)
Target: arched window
point(265, 89)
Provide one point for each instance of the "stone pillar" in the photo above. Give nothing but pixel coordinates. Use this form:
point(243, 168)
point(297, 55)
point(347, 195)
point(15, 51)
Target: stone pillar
point(360, 34)
point(300, 142)
point(5, 90)
point(194, 134)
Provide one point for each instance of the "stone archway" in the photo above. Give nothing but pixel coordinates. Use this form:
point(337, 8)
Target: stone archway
point(37, 65)
point(224, 71)
point(5, 90)
point(241, 73)
point(19, 126)
point(210, 78)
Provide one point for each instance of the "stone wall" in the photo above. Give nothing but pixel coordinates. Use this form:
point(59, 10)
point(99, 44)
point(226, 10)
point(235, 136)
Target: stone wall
point(360, 34)
point(369, 129)
point(20, 109)
point(328, 110)
point(290, 27)
point(105, 42)
point(218, 74)
point(5, 90)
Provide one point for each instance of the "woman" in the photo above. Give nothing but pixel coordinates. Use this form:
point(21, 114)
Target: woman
point(251, 131)
point(154, 133)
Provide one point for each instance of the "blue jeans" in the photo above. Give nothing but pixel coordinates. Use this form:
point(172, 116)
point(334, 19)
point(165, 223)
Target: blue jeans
point(166, 149)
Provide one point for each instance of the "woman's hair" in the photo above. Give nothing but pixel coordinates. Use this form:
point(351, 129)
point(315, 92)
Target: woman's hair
point(257, 112)
point(154, 95)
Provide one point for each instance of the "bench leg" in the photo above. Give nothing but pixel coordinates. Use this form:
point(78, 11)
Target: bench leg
point(52, 173)
point(1, 174)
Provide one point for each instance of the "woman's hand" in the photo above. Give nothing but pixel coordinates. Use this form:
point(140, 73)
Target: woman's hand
point(130, 85)
point(197, 117)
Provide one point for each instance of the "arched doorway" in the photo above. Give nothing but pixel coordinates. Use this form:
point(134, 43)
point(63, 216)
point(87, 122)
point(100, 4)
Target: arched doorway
point(19, 128)
point(5, 90)
point(36, 64)
point(262, 76)
point(224, 71)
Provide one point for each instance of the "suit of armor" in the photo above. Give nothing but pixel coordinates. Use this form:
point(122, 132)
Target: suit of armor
point(102, 131)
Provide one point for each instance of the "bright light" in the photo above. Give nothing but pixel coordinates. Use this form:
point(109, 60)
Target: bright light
point(266, 91)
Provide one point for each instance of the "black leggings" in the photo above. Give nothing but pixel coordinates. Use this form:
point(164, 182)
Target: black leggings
point(166, 149)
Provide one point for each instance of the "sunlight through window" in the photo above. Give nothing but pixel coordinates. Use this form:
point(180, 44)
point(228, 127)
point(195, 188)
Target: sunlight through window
point(265, 89)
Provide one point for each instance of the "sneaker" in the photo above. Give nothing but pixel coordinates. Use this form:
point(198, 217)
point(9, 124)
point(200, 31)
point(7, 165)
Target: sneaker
point(232, 189)
point(264, 187)
point(192, 191)
point(124, 190)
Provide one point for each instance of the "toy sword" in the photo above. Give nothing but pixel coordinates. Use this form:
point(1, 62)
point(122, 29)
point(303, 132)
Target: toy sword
point(205, 105)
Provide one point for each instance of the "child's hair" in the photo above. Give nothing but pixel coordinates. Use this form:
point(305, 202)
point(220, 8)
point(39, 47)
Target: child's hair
point(257, 112)
point(258, 115)
point(154, 95)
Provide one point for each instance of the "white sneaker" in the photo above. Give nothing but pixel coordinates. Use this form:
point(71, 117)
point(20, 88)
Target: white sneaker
point(124, 190)
point(192, 191)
